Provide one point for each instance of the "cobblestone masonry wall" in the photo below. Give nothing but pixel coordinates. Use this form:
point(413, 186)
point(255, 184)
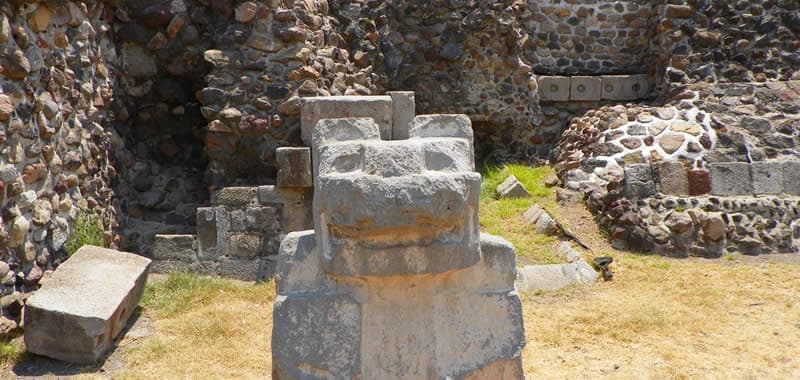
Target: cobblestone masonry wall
point(56, 86)
point(135, 109)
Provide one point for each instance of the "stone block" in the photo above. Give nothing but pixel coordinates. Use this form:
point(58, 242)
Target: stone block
point(264, 220)
point(730, 178)
point(554, 276)
point(244, 269)
point(699, 182)
point(87, 302)
point(299, 265)
point(322, 329)
point(554, 89)
point(455, 126)
point(330, 131)
point(234, 197)
point(427, 209)
point(639, 182)
point(459, 320)
point(403, 112)
point(175, 247)
point(377, 108)
point(295, 205)
point(294, 167)
point(672, 178)
point(791, 177)
point(620, 87)
point(586, 88)
point(767, 177)
point(645, 85)
point(213, 228)
point(512, 188)
point(244, 245)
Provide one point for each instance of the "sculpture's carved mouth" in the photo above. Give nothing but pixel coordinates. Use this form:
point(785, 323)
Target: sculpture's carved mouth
point(423, 233)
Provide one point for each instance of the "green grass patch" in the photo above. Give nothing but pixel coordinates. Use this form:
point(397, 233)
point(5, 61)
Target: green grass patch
point(503, 217)
point(86, 230)
point(180, 292)
point(10, 352)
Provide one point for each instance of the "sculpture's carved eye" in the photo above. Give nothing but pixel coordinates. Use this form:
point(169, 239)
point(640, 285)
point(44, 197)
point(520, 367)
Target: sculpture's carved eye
point(341, 158)
point(448, 155)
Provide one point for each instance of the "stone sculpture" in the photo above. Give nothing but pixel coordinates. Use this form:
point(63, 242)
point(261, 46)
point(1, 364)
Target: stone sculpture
point(395, 280)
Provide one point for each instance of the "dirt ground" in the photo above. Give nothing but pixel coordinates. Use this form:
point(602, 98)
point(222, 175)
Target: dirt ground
point(660, 318)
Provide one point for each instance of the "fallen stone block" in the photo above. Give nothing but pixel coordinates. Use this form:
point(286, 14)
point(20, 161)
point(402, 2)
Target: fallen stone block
point(554, 276)
point(87, 302)
point(512, 188)
point(586, 88)
point(554, 89)
point(730, 178)
point(403, 112)
point(314, 109)
point(294, 167)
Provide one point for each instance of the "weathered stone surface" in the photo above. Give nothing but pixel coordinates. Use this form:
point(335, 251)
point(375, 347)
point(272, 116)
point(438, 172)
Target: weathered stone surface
point(639, 181)
point(731, 178)
point(86, 303)
point(791, 177)
point(294, 167)
point(672, 178)
point(175, 247)
point(620, 87)
point(378, 108)
point(455, 126)
point(585, 88)
point(699, 182)
point(554, 89)
point(213, 226)
point(554, 276)
point(386, 212)
point(295, 205)
point(512, 188)
point(403, 112)
point(767, 177)
point(319, 331)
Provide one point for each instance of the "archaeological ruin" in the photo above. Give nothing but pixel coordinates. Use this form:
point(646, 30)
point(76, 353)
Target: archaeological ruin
point(216, 137)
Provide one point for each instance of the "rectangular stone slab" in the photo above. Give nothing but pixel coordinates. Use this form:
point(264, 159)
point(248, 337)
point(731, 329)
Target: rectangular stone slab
point(313, 109)
point(87, 302)
point(554, 89)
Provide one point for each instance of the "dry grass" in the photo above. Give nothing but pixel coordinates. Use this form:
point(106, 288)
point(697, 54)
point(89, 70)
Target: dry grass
point(206, 328)
point(664, 318)
point(659, 318)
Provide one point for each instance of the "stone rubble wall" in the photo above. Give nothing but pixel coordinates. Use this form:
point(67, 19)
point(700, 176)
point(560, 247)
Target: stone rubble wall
point(727, 41)
point(712, 172)
point(587, 37)
point(57, 81)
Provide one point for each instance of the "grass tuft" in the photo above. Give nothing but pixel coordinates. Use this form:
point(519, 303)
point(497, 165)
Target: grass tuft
point(10, 352)
point(183, 291)
point(86, 230)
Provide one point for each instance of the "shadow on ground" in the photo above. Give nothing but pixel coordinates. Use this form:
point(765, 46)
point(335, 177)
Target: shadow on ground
point(34, 366)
